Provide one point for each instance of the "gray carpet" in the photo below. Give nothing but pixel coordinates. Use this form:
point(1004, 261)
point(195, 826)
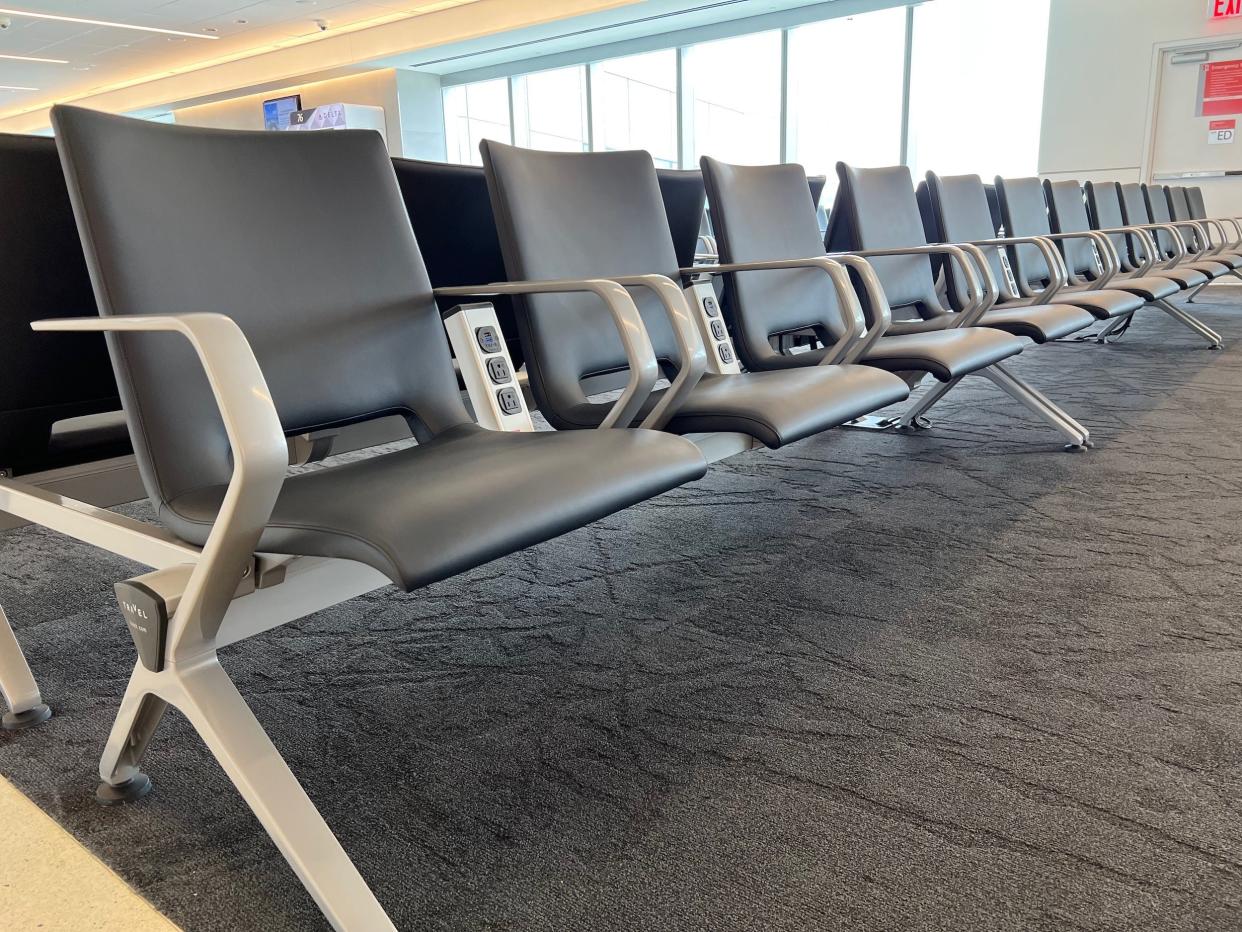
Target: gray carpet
point(960, 680)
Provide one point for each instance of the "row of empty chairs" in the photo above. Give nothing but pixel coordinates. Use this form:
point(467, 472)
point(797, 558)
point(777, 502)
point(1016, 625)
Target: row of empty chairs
point(645, 368)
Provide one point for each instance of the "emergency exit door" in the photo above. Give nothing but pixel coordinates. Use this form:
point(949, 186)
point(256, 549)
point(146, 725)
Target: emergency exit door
point(1195, 134)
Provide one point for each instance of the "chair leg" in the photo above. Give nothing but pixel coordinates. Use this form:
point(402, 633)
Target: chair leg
point(1035, 401)
point(920, 408)
point(140, 714)
point(1213, 338)
point(1112, 326)
point(203, 692)
point(1194, 294)
point(17, 684)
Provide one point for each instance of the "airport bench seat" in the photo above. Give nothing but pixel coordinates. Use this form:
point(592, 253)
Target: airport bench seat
point(427, 512)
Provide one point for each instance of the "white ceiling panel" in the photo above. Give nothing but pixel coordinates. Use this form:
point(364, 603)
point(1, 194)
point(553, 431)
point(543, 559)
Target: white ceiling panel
point(102, 56)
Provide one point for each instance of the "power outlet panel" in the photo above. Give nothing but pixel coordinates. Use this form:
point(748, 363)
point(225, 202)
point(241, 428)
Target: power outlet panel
point(721, 357)
point(486, 368)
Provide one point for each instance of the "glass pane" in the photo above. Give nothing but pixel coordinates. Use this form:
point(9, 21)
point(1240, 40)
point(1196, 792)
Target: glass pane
point(863, 58)
point(549, 109)
point(982, 58)
point(634, 104)
point(472, 113)
point(733, 87)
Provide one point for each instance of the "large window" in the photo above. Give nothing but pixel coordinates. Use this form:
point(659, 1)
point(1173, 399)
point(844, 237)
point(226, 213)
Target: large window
point(846, 86)
point(473, 112)
point(634, 103)
point(950, 85)
point(733, 92)
point(550, 110)
point(977, 87)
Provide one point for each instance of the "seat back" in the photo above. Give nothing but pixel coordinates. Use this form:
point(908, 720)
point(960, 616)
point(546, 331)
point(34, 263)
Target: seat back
point(763, 213)
point(44, 377)
point(1104, 208)
point(959, 204)
point(1067, 213)
point(579, 215)
point(330, 291)
point(1179, 203)
point(684, 202)
point(1158, 210)
point(876, 208)
point(1198, 208)
point(1025, 213)
point(452, 218)
point(817, 183)
point(994, 208)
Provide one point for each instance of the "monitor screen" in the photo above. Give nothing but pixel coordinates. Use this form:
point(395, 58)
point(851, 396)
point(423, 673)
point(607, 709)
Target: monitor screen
point(276, 111)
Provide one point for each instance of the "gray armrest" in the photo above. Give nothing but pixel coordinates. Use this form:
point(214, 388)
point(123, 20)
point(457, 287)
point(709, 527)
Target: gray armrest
point(637, 344)
point(260, 461)
point(689, 345)
point(851, 310)
point(1104, 248)
point(1149, 246)
point(1058, 273)
point(974, 293)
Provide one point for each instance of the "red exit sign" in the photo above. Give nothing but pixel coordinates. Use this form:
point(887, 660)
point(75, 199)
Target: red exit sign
point(1223, 9)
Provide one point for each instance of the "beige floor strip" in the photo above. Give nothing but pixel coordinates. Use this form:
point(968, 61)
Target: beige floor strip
point(50, 883)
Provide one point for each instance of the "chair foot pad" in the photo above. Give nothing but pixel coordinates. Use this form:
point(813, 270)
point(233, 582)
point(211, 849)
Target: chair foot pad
point(17, 721)
point(130, 791)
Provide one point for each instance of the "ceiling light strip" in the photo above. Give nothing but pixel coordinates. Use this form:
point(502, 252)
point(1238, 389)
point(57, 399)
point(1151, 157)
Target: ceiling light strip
point(103, 22)
point(45, 61)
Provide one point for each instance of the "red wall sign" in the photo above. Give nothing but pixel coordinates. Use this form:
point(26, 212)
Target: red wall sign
point(1220, 87)
point(1223, 9)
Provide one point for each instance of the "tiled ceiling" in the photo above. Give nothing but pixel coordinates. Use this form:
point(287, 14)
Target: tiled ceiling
point(104, 56)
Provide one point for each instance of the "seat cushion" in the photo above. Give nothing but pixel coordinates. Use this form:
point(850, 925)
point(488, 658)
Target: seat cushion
point(1211, 268)
point(1038, 322)
point(1148, 288)
point(1186, 278)
point(471, 495)
point(946, 354)
point(1104, 303)
point(780, 406)
point(1228, 257)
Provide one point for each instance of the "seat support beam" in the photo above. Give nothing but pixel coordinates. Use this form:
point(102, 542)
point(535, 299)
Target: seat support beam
point(1188, 320)
point(202, 691)
point(17, 684)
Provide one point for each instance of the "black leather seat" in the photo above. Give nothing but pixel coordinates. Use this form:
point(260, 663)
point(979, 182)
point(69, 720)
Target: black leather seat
point(762, 215)
point(1140, 208)
point(51, 416)
point(960, 212)
point(1106, 211)
point(1025, 213)
point(362, 342)
point(466, 496)
point(1067, 213)
point(1181, 209)
point(549, 207)
point(876, 208)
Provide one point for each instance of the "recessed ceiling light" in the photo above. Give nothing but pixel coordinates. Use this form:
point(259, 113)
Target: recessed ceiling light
point(16, 87)
point(102, 22)
point(83, 67)
point(210, 29)
point(241, 22)
point(46, 61)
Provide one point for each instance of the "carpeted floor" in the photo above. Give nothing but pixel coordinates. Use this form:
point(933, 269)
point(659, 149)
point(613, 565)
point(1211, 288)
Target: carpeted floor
point(959, 680)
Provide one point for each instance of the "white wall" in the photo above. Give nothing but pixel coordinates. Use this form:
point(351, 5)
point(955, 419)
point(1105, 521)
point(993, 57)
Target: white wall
point(1098, 85)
